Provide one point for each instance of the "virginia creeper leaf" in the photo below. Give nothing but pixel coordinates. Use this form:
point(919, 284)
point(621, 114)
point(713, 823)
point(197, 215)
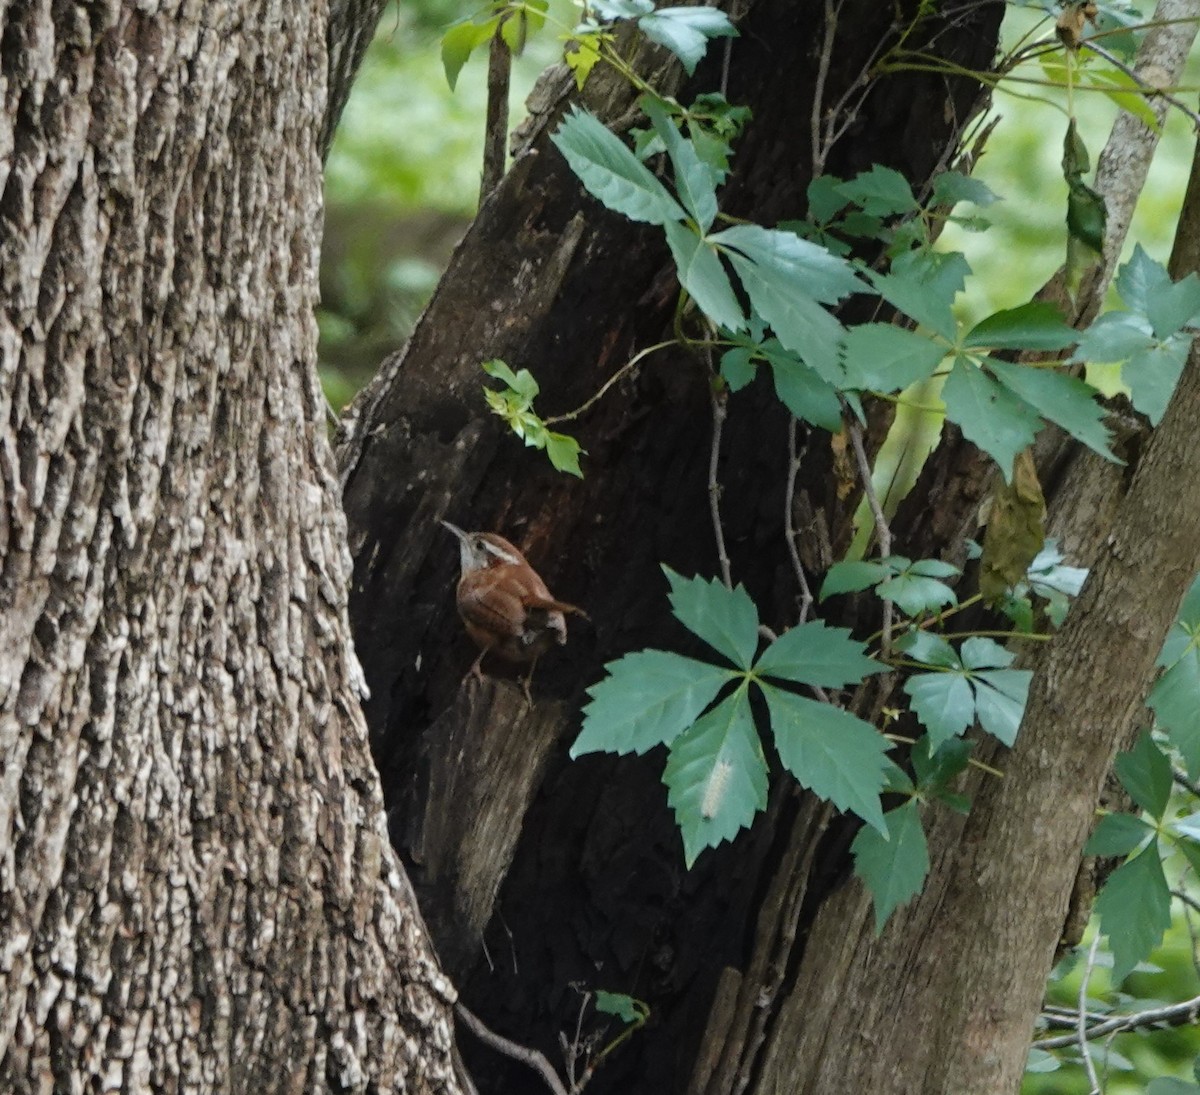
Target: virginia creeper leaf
point(1065, 400)
point(724, 618)
point(686, 31)
point(648, 698)
point(1117, 834)
point(703, 276)
point(989, 416)
point(1145, 772)
point(693, 179)
point(944, 704)
point(1135, 910)
point(818, 655)
point(885, 358)
point(893, 869)
point(1033, 326)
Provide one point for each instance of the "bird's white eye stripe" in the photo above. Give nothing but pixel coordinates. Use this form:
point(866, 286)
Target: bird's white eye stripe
point(499, 552)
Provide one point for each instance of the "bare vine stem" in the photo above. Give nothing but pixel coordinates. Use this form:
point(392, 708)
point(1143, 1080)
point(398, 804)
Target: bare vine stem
point(719, 412)
point(531, 1057)
point(623, 371)
point(1148, 89)
point(789, 527)
point(1081, 1028)
point(883, 532)
point(1170, 1015)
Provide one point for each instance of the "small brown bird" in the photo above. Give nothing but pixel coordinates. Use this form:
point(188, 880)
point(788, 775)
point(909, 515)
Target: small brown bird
point(506, 607)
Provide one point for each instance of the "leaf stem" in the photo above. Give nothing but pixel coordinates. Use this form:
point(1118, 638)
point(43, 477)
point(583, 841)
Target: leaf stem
point(631, 364)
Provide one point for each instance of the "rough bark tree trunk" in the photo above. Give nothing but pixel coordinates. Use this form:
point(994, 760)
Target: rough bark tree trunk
point(196, 889)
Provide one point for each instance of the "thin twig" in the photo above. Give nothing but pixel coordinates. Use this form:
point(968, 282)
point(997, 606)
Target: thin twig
point(624, 370)
point(883, 533)
point(717, 399)
point(819, 151)
point(531, 1057)
point(789, 528)
point(1148, 88)
point(1081, 1028)
point(1173, 1015)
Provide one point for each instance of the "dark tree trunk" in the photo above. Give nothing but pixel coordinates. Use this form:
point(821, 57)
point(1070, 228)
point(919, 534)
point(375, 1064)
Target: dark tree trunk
point(196, 887)
point(537, 873)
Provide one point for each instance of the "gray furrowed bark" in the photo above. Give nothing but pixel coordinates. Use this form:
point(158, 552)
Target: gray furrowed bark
point(196, 889)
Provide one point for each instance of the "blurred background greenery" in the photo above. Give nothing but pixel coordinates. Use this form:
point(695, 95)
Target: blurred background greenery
point(402, 183)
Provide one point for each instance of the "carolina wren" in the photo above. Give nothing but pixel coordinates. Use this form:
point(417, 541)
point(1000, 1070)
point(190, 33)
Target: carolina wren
point(506, 607)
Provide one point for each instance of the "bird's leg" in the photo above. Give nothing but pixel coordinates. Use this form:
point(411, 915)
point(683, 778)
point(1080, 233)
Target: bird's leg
point(527, 681)
point(476, 671)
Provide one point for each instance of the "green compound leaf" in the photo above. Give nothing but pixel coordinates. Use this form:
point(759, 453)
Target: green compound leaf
point(817, 655)
point(884, 358)
point(927, 300)
point(852, 576)
point(800, 323)
point(793, 264)
point(738, 367)
point(893, 869)
point(881, 192)
point(924, 646)
point(1175, 701)
point(804, 392)
point(611, 172)
point(1115, 336)
point(1000, 698)
point(936, 766)
point(716, 776)
point(831, 752)
point(914, 593)
point(693, 178)
point(648, 698)
point(981, 653)
point(944, 704)
point(989, 415)
point(952, 187)
point(1153, 374)
point(1147, 289)
point(1135, 910)
point(1117, 834)
point(1065, 400)
point(703, 276)
point(686, 31)
point(726, 619)
point(1033, 326)
point(1145, 772)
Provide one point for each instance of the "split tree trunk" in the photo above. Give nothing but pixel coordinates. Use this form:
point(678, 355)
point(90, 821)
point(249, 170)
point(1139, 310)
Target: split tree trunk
point(196, 889)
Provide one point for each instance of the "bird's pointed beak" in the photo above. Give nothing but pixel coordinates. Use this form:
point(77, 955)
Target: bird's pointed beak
point(456, 530)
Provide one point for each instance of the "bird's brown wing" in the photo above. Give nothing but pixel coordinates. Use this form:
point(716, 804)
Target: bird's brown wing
point(490, 607)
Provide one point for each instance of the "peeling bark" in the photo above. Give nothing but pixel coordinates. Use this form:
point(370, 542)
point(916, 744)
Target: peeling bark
point(196, 888)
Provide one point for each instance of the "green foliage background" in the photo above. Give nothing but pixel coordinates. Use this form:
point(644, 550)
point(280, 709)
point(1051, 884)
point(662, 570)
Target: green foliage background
point(402, 182)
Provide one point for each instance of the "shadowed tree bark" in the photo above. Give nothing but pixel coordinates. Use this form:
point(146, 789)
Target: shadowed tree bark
point(196, 888)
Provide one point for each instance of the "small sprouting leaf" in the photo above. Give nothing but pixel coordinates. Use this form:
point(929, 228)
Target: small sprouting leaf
point(1064, 400)
point(831, 752)
point(716, 776)
point(1135, 910)
point(618, 1004)
point(944, 704)
point(564, 453)
point(460, 41)
point(818, 655)
point(936, 766)
point(885, 358)
point(585, 56)
point(686, 31)
point(850, 577)
point(989, 415)
point(612, 173)
point(1033, 326)
point(893, 868)
point(881, 191)
point(724, 618)
point(1145, 772)
point(952, 187)
point(1117, 834)
point(522, 383)
point(1087, 214)
point(702, 275)
point(648, 698)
